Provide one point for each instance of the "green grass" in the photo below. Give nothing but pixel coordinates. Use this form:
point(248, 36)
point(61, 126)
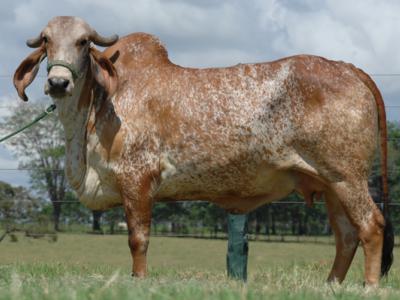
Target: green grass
point(80, 266)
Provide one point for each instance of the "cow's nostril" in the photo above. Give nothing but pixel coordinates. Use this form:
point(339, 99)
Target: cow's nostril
point(65, 83)
point(51, 82)
point(58, 83)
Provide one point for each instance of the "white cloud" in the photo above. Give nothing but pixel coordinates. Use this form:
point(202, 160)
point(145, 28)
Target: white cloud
point(365, 33)
point(220, 33)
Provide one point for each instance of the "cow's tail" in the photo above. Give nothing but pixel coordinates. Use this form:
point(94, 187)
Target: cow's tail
point(388, 236)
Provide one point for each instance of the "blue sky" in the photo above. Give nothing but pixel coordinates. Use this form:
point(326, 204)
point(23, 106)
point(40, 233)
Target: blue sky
point(216, 33)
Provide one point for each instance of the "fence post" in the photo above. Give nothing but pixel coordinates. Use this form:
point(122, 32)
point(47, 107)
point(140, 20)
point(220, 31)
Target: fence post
point(238, 248)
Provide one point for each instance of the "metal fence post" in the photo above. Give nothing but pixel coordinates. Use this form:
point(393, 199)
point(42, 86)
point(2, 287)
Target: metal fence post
point(238, 248)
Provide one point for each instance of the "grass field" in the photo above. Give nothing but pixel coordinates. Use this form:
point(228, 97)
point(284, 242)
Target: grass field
point(80, 266)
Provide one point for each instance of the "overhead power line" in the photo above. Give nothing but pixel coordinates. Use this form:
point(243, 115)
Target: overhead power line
point(38, 104)
point(16, 169)
point(390, 169)
point(385, 75)
point(370, 74)
point(200, 201)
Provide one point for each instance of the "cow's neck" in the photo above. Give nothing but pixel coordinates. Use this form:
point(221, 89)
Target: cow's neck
point(73, 113)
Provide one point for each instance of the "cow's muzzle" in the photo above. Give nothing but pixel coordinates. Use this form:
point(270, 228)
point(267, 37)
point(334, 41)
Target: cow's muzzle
point(61, 77)
point(57, 86)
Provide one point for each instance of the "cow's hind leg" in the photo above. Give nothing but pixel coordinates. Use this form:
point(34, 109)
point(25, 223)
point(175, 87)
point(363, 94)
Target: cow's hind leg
point(346, 238)
point(368, 221)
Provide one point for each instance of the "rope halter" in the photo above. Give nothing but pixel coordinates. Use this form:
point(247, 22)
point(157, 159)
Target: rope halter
point(74, 71)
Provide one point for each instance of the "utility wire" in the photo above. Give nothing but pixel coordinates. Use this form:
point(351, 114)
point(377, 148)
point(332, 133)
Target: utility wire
point(390, 168)
point(199, 201)
point(62, 170)
point(370, 74)
point(43, 104)
point(384, 74)
point(31, 169)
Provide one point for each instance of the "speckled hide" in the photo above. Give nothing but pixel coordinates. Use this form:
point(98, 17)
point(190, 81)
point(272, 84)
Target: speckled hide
point(240, 137)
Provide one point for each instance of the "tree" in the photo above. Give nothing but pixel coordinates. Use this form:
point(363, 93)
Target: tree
point(96, 224)
point(73, 211)
point(40, 150)
point(114, 216)
point(17, 206)
point(173, 212)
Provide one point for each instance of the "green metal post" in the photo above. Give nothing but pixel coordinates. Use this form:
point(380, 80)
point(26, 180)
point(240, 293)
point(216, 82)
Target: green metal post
point(238, 247)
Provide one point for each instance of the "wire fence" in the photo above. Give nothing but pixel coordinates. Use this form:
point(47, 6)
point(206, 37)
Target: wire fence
point(276, 226)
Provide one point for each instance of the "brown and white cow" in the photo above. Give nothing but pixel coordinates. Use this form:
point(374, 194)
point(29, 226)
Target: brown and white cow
point(140, 129)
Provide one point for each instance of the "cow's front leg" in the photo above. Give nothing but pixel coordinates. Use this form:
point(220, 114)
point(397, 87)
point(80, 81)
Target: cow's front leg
point(138, 205)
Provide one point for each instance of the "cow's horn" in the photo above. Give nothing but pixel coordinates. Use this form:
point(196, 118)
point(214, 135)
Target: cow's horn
point(35, 42)
point(103, 41)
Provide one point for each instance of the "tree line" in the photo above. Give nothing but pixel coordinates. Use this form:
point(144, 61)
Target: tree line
point(49, 200)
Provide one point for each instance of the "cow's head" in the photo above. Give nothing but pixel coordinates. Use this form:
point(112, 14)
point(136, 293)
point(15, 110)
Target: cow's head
point(66, 41)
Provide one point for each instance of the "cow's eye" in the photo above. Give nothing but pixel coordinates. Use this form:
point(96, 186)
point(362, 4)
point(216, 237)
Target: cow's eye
point(45, 39)
point(83, 42)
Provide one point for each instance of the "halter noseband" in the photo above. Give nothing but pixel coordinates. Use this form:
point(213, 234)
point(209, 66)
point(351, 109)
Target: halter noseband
point(75, 73)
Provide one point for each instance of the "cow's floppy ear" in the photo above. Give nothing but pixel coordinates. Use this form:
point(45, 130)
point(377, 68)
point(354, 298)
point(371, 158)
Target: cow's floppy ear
point(27, 71)
point(103, 71)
